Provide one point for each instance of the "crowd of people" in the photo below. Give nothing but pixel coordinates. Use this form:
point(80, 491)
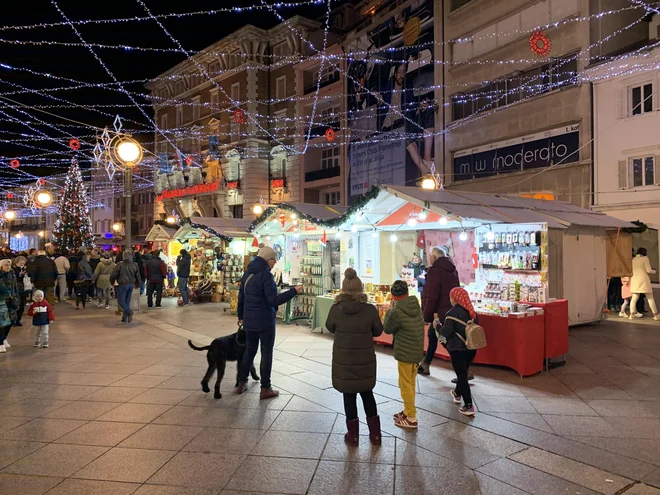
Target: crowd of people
point(446, 308)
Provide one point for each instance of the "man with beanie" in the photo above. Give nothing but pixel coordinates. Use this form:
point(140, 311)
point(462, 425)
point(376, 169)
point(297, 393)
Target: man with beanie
point(405, 322)
point(257, 304)
point(127, 275)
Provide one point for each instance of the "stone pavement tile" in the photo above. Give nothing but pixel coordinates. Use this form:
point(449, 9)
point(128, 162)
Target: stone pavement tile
point(42, 430)
point(181, 382)
point(535, 421)
point(305, 421)
point(626, 408)
point(86, 368)
point(644, 449)
point(82, 410)
point(491, 486)
point(129, 465)
point(161, 396)
point(135, 413)
point(339, 478)
point(100, 433)
point(642, 489)
point(413, 479)
point(337, 450)
point(56, 460)
point(275, 474)
point(162, 370)
point(175, 490)
point(100, 379)
point(409, 454)
point(220, 418)
point(653, 478)
point(291, 444)
point(594, 387)
point(299, 404)
point(481, 439)
point(576, 472)
point(8, 423)
point(529, 479)
point(109, 358)
point(26, 485)
point(560, 406)
point(425, 418)
point(115, 394)
point(503, 404)
point(32, 408)
point(234, 401)
point(125, 369)
point(12, 451)
point(89, 487)
point(225, 440)
point(196, 469)
point(161, 437)
point(143, 381)
point(234, 492)
point(61, 392)
point(142, 359)
point(544, 385)
point(636, 427)
point(585, 426)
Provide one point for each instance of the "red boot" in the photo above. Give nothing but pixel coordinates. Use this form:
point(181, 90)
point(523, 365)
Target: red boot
point(374, 430)
point(352, 437)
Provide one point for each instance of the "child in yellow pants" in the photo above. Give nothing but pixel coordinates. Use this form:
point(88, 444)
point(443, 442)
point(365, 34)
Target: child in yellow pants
point(404, 321)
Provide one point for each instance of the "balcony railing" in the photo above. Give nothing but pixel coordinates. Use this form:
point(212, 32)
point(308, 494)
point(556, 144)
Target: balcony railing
point(318, 130)
point(326, 173)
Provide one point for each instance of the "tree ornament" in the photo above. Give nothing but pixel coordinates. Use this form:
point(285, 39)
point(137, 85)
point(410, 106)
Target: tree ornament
point(74, 144)
point(540, 44)
point(239, 116)
point(330, 135)
point(15, 163)
point(189, 160)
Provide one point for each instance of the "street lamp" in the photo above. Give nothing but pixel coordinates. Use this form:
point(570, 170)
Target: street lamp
point(43, 198)
point(127, 152)
point(171, 220)
point(116, 227)
point(429, 182)
point(9, 215)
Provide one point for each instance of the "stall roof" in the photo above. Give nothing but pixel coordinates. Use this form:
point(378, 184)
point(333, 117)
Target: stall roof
point(160, 232)
point(229, 227)
point(506, 208)
point(323, 212)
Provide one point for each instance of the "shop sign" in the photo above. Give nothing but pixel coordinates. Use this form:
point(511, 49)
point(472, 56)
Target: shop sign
point(233, 184)
point(277, 183)
point(538, 150)
point(189, 191)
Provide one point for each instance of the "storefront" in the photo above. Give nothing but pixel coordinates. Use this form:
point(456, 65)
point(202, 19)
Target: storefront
point(533, 267)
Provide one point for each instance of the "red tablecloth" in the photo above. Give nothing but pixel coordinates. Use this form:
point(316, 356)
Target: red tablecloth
point(556, 327)
point(517, 343)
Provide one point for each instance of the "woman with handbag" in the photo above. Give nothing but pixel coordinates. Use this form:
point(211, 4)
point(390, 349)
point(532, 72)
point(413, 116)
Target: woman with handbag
point(10, 302)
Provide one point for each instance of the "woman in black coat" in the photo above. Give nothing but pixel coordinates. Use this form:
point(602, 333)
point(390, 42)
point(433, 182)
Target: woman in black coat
point(355, 323)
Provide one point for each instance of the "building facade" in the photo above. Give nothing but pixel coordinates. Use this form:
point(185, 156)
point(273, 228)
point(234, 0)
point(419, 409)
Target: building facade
point(227, 121)
point(516, 121)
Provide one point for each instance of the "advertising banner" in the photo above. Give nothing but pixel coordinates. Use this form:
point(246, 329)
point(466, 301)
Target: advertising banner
point(390, 100)
point(543, 149)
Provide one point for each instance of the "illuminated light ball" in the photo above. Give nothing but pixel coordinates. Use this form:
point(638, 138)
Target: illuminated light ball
point(393, 238)
point(423, 215)
point(443, 221)
point(463, 236)
point(9, 215)
point(412, 221)
point(257, 209)
point(429, 183)
point(116, 227)
point(374, 234)
point(490, 235)
point(128, 151)
point(171, 220)
point(44, 198)
point(354, 228)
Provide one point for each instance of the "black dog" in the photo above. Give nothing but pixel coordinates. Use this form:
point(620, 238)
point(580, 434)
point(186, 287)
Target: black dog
point(221, 350)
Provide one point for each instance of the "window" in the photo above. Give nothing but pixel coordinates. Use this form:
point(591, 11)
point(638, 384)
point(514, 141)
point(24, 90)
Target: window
point(163, 121)
point(179, 87)
point(215, 100)
point(332, 198)
point(557, 74)
point(234, 131)
point(329, 72)
point(195, 108)
point(236, 211)
point(330, 159)
point(235, 59)
point(179, 116)
point(329, 115)
point(214, 68)
point(280, 88)
point(280, 51)
point(458, 3)
point(641, 99)
point(163, 94)
point(639, 172)
point(236, 92)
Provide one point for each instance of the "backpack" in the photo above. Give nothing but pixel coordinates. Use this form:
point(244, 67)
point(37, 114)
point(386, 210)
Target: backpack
point(474, 333)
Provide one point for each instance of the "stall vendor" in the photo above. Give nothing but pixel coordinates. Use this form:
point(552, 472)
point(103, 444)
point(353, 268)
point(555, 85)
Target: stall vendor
point(419, 270)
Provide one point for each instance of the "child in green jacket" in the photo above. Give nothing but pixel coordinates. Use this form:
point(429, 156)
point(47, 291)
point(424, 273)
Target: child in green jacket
point(404, 320)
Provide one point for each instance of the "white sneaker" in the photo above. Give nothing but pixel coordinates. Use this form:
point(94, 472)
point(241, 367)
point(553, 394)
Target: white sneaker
point(2, 348)
point(623, 315)
point(100, 306)
point(6, 344)
point(635, 315)
point(655, 317)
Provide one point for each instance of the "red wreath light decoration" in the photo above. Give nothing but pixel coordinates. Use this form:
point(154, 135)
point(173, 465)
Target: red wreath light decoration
point(41, 182)
point(330, 135)
point(189, 160)
point(74, 144)
point(10, 195)
point(15, 163)
point(239, 116)
point(540, 44)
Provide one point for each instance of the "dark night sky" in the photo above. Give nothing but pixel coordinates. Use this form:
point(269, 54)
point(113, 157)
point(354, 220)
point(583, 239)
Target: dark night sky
point(194, 33)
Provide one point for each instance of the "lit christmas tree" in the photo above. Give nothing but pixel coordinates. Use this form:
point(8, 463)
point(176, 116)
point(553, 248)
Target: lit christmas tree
point(73, 227)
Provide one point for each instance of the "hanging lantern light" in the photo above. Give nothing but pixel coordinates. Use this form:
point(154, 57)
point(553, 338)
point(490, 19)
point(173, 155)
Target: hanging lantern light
point(429, 183)
point(43, 198)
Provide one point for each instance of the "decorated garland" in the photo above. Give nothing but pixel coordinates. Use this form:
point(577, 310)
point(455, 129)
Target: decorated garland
point(330, 223)
point(641, 228)
point(194, 225)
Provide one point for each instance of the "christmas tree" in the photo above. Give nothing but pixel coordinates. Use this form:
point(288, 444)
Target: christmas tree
point(73, 227)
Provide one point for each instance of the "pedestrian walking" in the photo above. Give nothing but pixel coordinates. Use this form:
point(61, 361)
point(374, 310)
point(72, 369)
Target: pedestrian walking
point(42, 316)
point(102, 280)
point(257, 304)
point(155, 272)
point(12, 300)
point(84, 281)
point(440, 279)
point(72, 274)
point(640, 283)
point(626, 295)
point(63, 267)
point(183, 273)
point(354, 323)
point(455, 336)
point(405, 322)
point(93, 261)
point(43, 274)
point(127, 276)
point(23, 291)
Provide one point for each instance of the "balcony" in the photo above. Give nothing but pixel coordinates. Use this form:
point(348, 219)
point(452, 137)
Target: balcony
point(311, 88)
point(326, 173)
point(318, 130)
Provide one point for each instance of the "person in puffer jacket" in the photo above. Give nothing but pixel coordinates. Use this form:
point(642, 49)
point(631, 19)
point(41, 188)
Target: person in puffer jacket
point(406, 323)
point(102, 279)
point(42, 316)
point(127, 275)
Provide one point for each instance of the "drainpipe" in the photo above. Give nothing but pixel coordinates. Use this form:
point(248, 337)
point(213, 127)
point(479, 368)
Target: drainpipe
point(270, 62)
point(592, 196)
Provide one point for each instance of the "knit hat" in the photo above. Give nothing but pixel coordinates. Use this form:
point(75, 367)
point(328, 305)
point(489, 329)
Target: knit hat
point(352, 282)
point(399, 290)
point(39, 293)
point(267, 253)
